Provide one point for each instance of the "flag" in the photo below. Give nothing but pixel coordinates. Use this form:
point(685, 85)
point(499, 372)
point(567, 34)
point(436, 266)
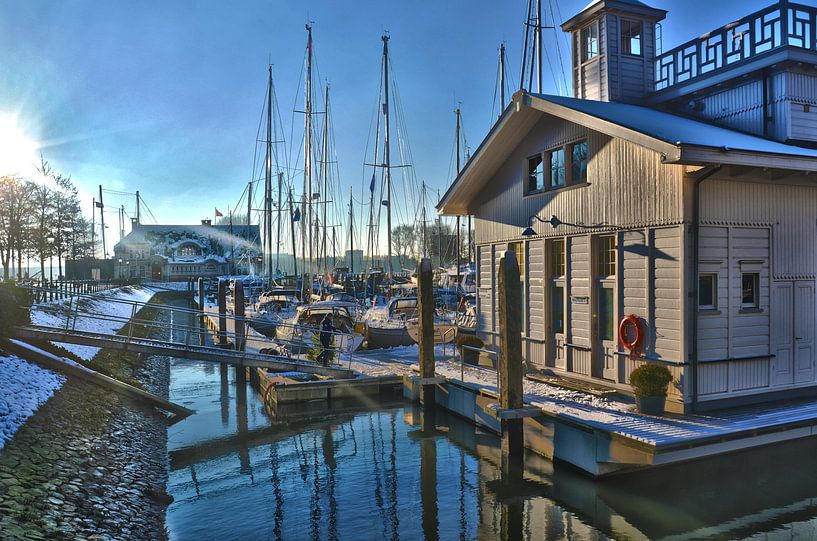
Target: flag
point(98, 204)
point(371, 186)
point(218, 213)
point(297, 216)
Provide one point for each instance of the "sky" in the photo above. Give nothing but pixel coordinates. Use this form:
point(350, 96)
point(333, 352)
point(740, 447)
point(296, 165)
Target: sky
point(165, 96)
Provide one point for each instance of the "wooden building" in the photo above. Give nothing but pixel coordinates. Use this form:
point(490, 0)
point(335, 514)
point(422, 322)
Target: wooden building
point(677, 187)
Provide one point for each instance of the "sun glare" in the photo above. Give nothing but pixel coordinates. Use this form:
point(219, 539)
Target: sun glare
point(18, 152)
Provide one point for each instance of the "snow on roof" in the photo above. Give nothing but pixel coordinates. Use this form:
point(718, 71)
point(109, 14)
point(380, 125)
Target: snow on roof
point(674, 129)
point(632, 2)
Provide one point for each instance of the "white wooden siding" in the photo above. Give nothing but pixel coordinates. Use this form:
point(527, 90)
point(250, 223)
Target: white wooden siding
point(668, 311)
point(628, 187)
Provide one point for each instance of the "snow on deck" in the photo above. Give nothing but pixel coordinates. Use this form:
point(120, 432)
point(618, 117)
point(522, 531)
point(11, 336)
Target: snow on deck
point(53, 314)
point(600, 413)
point(24, 387)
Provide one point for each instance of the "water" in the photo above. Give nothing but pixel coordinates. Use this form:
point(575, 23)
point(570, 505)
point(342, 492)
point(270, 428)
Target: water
point(238, 472)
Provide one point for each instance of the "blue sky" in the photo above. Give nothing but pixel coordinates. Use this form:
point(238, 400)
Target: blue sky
point(165, 96)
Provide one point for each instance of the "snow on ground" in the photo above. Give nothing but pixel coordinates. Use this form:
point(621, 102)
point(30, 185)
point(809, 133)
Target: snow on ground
point(403, 360)
point(53, 314)
point(24, 387)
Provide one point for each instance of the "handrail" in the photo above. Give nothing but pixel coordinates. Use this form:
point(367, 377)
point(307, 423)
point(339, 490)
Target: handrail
point(776, 26)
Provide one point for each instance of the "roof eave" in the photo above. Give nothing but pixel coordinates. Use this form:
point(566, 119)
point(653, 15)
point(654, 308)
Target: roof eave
point(692, 154)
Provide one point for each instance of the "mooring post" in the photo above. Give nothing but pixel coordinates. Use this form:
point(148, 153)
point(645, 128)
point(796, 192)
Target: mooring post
point(510, 359)
point(222, 312)
point(425, 301)
point(202, 321)
point(238, 312)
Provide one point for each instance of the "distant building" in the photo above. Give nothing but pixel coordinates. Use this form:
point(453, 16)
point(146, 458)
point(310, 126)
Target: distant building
point(678, 187)
point(181, 252)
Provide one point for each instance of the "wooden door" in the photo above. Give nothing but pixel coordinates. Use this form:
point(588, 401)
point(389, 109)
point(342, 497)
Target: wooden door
point(783, 334)
point(803, 332)
point(793, 333)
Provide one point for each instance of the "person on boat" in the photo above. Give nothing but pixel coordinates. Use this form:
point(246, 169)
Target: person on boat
point(327, 328)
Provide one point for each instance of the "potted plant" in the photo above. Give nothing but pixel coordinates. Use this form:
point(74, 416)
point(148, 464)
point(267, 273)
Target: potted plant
point(468, 343)
point(650, 382)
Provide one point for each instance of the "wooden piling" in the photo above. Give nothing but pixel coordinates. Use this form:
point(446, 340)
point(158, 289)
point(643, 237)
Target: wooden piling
point(425, 301)
point(238, 312)
point(202, 321)
point(510, 357)
point(222, 312)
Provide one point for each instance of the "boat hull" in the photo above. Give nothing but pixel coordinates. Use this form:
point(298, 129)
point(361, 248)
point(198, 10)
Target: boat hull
point(387, 337)
point(444, 333)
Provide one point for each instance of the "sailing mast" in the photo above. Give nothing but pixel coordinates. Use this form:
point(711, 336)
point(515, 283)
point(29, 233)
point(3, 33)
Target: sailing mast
point(268, 182)
point(325, 194)
point(307, 220)
point(292, 226)
point(501, 78)
point(386, 149)
point(458, 216)
point(278, 243)
point(351, 234)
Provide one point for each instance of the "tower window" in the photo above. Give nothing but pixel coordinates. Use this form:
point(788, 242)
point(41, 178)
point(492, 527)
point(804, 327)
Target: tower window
point(590, 41)
point(631, 32)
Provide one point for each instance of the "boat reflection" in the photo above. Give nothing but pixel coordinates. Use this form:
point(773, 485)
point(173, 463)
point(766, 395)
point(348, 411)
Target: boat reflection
point(391, 472)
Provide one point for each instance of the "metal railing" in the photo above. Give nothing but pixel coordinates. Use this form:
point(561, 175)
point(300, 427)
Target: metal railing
point(74, 309)
point(488, 352)
point(776, 26)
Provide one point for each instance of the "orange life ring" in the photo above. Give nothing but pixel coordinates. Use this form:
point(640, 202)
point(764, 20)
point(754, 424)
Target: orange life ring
point(634, 344)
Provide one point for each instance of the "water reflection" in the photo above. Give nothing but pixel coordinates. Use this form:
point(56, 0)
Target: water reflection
point(391, 472)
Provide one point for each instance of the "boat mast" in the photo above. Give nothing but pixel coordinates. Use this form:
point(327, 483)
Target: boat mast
point(278, 238)
point(307, 224)
point(351, 234)
point(324, 195)
point(268, 181)
point(292, 226)
point(386, 147)
point(501, 77)
point(250, 261)
point(458, 174)
point(425, 247)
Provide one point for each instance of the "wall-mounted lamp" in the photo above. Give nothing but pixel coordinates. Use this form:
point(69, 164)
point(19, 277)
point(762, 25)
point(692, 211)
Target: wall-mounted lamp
point(555, 222)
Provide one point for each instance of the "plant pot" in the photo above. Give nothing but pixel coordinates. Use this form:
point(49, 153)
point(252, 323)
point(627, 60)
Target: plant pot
point(651, 405)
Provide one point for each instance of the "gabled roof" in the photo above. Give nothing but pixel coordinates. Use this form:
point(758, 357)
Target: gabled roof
point(679, 139)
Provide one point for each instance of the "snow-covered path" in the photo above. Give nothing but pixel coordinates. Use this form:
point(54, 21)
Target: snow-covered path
point(53, 314)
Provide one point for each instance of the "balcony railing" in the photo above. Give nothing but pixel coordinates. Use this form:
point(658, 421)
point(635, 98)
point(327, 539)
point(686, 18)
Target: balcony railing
point(770, 28)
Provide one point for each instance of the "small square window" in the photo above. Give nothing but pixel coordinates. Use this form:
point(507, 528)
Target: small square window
point(708, 291)
point(579, 163)
point(750, 290)
point(536, 174)
point(557, 258)
point(590, 42)
point(606, 256)
point(557, 168)
point(631, 37)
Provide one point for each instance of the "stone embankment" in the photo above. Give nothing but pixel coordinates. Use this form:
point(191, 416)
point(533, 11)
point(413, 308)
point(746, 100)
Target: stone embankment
point(90, 464)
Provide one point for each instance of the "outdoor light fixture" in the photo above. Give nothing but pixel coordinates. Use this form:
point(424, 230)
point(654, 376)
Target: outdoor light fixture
point(554, 221)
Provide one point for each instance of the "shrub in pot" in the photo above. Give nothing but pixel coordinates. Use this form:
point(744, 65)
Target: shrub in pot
point(650, 383)
point(465, 342)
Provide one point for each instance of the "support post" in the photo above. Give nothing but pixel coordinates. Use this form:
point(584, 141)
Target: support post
point(222, 313)
point(425, 300)
point(510, 358)
point(238, 312)
point(203, 316)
